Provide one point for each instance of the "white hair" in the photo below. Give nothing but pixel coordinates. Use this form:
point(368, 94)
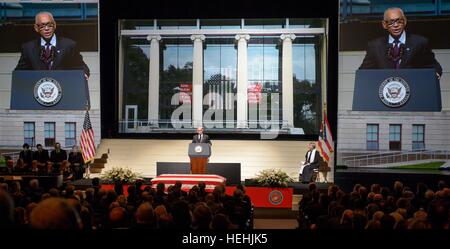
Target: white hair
point(43, 13)
point(393, 8)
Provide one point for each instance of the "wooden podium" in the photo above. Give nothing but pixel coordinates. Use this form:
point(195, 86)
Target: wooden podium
point(199, 154)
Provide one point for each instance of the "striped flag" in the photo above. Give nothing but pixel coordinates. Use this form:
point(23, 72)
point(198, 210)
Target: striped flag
point(87, 144)
point(325, 143)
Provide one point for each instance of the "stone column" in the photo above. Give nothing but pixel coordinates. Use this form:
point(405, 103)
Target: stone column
point(197, 81)
point(242, 102)
point(153, 80)
point(287, 79)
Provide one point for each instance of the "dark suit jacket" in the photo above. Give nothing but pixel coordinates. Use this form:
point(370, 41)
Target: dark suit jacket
point(317, 159)
point(67, 56)
point(76, 158)
point(417, 54)
point(41, 157)
point(26, 157)
point(205, 139)
point(58, 157)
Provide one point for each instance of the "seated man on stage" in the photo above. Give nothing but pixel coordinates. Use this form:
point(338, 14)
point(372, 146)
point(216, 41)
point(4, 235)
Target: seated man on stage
point(27, 156)
point(312, 162)
point(76, 163)
point(57, 157)
point(41, 156)
point(200, 137)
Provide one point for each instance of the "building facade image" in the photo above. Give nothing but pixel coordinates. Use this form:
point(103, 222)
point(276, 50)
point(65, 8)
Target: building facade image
point(229, 75)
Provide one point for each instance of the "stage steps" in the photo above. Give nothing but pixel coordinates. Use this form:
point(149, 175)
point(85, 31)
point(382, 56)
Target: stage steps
point(98, 164)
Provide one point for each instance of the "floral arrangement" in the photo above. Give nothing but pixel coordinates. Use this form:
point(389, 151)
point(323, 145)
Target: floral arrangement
point(124, 175)
point(273, 178)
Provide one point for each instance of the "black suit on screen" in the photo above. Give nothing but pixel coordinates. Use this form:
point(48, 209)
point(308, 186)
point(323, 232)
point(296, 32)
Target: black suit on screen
point(417, 54)
point(66, 56)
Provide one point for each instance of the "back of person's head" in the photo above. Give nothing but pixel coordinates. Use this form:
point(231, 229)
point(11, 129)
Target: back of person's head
point(122, 200)
point(419, 224)
point(160, 211)
point(34, 183)
point(387, 222)
point(160, 187)
point(4, 186)
point(201, 186)
point(181, 214)
point(209, 198)
point(28, 209)
point(70, 190)
point(375, 188)
point(118, 218)
point(373, 224)
point(359, 221)
point(347, 216)
point(385, 192)
point(178, 185)
point(55, 213)
point(356, 187)
point(19, 215)
point(96, 182)
point(202, 217)
point(378, 215)
point(53, 192)
point(403, 203)
point(398, 186)
point(220, 222)
point(145, 214)
point(312, 186)
point(238, 194)
point(371, 209)
point(441, 185)
point(6, 210)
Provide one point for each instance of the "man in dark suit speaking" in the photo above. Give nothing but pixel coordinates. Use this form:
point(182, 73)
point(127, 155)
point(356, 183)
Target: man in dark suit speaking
point(399, 49)
point(50, 52)
point(200, 137)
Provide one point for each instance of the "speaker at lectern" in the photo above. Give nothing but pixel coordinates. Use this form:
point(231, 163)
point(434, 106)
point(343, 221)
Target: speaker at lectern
point(199, 154)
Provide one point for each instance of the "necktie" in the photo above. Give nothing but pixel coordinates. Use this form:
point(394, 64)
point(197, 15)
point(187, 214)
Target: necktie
point(396, 53)
point(309, 156)
point(48, 55)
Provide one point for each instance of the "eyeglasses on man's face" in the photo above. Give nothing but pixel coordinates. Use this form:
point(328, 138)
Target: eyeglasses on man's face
point(392, 22)
point(42, 26)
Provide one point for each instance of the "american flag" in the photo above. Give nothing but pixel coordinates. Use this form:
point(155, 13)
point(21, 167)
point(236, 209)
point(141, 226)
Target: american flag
point(87, 144)
point(325, 143)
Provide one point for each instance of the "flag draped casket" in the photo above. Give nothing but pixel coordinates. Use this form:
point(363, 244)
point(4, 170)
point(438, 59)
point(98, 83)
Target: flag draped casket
point(188, 181)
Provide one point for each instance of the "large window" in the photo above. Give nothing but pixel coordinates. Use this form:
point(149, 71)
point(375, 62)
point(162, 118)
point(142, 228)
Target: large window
point(136, 74)
point(395, 137)
point(70, 134)
point(307, 83)
point(29, 133)
point(372, 136)
point(219, 88)
point(175, 79)
point(418, 137)
point(264, 80)
point(49, 134)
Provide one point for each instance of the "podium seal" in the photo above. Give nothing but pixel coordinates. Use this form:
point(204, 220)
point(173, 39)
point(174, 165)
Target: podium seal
point(47, 92)
point(394, 92)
